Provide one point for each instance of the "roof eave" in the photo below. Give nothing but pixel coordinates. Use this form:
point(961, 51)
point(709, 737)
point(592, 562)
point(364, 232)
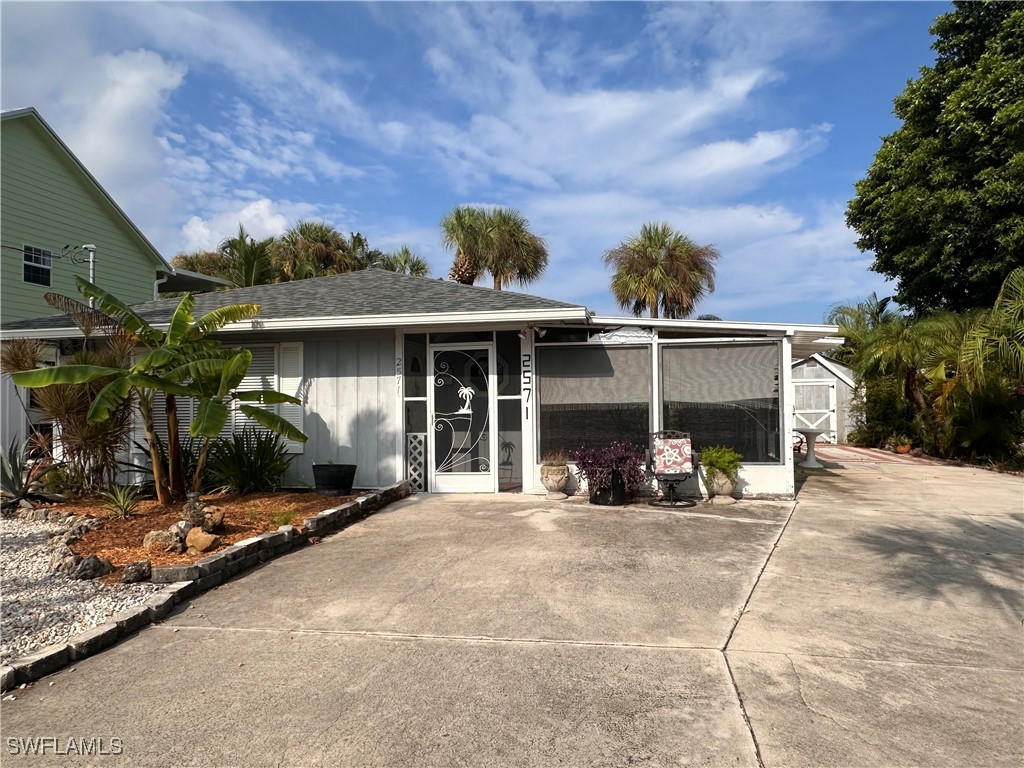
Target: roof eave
point(257, 324)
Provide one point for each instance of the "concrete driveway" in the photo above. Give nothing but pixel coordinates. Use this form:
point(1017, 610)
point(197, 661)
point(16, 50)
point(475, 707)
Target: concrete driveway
point(885, 629)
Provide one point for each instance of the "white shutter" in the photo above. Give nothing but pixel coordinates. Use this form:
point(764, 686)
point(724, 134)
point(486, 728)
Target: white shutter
point(262, 375)
point(290, 375)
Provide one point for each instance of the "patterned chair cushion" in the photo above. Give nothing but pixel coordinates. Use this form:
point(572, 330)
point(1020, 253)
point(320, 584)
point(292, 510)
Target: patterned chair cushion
point(673, 456)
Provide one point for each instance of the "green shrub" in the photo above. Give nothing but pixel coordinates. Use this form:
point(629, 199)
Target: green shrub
point(122, 501)
point(719, 459)
point(249, 461)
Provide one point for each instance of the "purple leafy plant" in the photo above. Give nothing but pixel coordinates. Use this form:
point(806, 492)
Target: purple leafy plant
point(597, 464)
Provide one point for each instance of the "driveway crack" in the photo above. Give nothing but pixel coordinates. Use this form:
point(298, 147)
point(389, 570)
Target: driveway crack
point(725, 647)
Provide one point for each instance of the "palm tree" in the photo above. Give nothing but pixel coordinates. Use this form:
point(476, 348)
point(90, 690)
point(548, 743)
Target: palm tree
point(405, 262)
point(313, 249)
point(248, 260)
point(494, 240)
point(660, 268)
point(856, 322)
point(212, 263)
point(463, 230)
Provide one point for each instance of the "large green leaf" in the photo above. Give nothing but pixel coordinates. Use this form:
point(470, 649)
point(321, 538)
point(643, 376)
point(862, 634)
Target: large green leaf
point(159, 358)
point(218, 318)
point(266, 396)
point(206, 368)
point(114, 307)
point(274, 423)
point(181, 321)
point(234, 371)
point(109, 400)
point(63, 374)
point(159, 383)
point(211, 416)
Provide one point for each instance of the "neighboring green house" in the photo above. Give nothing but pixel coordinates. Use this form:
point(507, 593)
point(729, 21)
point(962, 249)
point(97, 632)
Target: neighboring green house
point(50, 208)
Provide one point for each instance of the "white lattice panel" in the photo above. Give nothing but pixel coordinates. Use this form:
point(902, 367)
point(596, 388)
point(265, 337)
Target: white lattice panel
point(416, 460)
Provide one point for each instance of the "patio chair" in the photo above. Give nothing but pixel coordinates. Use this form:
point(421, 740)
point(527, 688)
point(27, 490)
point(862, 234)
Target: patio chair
point(670, 462)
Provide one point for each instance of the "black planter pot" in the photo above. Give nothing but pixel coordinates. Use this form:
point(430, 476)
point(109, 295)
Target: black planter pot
point(614, 496)
point(334, 479)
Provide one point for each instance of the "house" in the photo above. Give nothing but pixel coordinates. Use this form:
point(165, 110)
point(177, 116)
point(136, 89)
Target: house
point(57, 222)
point(823, 394)
point(463, 388)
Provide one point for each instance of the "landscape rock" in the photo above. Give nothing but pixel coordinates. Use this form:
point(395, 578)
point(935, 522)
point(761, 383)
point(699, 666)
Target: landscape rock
point(213, 519)
point(92, 567)
point(64, 561)
point(200, 541)
point(159, 541)
point(134, 572)
point(79, 527)
point(180, 529)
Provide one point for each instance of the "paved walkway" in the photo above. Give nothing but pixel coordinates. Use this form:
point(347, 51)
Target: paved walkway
point(875, 622)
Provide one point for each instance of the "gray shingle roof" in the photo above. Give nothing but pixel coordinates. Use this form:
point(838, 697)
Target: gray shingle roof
point(353, 294)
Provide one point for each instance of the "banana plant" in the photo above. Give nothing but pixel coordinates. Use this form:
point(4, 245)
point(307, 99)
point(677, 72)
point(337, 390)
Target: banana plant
point(183, 342)
point(214, 383)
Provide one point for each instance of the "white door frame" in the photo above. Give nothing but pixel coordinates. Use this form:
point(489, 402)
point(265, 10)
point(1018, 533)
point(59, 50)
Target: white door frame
point(464, 482)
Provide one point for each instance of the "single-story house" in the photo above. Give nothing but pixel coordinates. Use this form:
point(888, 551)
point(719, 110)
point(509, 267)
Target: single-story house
point(465, 389)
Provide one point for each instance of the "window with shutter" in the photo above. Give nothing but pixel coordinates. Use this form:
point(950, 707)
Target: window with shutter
point(262, 375)
point(290, 370)
point(274, 366)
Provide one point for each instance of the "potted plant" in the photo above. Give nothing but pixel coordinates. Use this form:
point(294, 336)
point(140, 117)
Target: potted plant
point(554, 473)
point(899, 444)
point(614, 474)
point(721, 469)
point(334, 479)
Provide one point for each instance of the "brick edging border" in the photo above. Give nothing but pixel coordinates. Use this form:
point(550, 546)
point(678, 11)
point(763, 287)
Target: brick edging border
point(185, 581)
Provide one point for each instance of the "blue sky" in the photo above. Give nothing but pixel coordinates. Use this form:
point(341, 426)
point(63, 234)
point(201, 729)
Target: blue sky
point(742, 124)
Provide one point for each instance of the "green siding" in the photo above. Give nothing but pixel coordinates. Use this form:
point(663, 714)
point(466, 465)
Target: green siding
point(46, 201)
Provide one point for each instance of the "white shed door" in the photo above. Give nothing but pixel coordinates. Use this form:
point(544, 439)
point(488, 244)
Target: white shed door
point(815, 406)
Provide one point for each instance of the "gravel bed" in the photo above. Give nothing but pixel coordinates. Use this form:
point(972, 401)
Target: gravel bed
point(39, 608)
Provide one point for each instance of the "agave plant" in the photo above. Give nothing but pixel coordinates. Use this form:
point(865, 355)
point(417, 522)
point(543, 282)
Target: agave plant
point(17, 480)
point(122, 501)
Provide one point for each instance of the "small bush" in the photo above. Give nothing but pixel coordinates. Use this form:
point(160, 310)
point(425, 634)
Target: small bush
point(251, 461)
point(596, 464)
point(122, 501)
point(720, 459)
point(555, 458)
point(282, 518)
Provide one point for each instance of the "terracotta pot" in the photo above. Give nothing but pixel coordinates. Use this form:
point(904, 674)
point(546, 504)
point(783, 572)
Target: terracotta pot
point(554, 478)
point(902, 449)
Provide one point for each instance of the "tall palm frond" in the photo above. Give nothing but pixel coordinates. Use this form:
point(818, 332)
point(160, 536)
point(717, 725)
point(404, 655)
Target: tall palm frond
point(313, 249)
point(405, 262)
point(660, 270)
point(248, 259)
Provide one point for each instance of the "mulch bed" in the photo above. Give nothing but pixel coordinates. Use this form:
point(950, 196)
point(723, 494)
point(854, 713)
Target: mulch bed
point(120, 541)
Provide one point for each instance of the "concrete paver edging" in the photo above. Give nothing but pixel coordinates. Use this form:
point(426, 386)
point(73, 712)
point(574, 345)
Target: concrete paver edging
point(185, 581)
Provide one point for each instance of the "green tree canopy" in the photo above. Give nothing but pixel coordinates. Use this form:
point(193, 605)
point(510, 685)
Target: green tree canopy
point(495, 240)
point(942, 205)
point(661, 270)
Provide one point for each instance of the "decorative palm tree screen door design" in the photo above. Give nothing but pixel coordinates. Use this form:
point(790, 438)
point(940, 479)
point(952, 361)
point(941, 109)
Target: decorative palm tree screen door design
point(462, 433)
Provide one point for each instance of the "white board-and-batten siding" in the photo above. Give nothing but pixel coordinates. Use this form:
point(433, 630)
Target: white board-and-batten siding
point(350, 407)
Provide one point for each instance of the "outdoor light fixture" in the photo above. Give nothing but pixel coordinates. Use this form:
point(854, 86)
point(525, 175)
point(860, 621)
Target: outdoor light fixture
point(541, 332)
point(522, 335)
